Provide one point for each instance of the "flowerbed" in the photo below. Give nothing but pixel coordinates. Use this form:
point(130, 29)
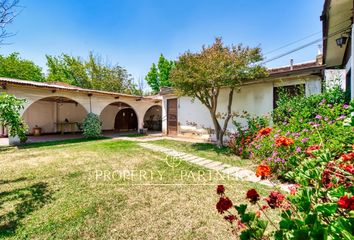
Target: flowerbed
point(310, 144)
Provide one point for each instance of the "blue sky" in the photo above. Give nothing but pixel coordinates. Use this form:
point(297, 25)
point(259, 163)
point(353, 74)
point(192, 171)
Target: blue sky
point(133, 33)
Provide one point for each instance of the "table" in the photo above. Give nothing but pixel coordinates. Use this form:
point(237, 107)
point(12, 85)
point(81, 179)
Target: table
point(61, 126)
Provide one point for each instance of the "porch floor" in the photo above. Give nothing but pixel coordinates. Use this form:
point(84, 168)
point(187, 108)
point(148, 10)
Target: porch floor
point(58, 137)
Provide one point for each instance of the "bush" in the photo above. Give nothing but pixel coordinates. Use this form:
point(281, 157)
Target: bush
point(10, 116)
point(309, 122)
point(92, 126)
point(244, 135)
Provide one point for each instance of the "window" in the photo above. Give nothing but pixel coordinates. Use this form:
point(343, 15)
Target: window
point(292, 90)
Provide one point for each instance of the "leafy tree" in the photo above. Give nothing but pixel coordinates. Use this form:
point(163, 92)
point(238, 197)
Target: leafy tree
point(12, 66)
point(201, 75)
point(152, 78)
point(158, 76)
point(91, 73)
point(10, 108)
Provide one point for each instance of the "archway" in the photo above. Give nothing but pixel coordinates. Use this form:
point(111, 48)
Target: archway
point(119, 117)
point(153, 118)
point(54, 114)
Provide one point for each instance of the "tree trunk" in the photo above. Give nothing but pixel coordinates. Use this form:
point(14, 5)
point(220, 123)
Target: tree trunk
point(217, 128)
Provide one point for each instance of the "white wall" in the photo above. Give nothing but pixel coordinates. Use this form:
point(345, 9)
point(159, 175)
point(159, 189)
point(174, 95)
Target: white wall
point(256, 99)
point(46, 114)
point(108, 116)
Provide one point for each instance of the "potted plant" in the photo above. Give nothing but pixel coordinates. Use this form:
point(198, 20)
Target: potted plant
point(37, 131)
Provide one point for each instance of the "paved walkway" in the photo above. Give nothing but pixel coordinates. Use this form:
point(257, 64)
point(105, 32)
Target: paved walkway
point(236, 172)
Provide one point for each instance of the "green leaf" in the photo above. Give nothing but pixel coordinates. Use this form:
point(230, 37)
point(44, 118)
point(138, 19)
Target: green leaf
point(241, 209)
point(327, 209)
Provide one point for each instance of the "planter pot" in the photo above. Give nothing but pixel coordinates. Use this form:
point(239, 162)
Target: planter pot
point(37, 131)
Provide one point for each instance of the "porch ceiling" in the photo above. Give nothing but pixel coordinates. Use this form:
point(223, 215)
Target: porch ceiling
point(58, 99)
point(338, 21)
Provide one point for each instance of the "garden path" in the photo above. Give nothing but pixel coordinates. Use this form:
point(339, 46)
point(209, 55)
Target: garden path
point(236, 172)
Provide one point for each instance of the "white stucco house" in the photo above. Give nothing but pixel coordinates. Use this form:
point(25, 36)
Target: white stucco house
point(60, 108)
point(189, 117)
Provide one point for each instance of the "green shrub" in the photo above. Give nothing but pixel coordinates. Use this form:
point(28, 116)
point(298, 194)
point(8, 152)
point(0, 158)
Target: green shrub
point(10, 116)
point(92, 126)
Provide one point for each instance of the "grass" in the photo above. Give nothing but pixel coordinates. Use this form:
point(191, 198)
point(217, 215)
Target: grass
point(72, 190)
point(207, 150)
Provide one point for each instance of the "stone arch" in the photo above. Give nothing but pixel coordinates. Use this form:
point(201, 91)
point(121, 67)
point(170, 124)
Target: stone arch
point(54, 114)
point(119, 116)
point(153, 118)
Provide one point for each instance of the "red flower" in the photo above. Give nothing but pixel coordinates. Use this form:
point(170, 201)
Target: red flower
point(264, 131)
point(230, 218)
point(312, 148)
point(348, 156)
point(345, 202)
point(293, 189)
point(240, 225)
point(252, 195)
point(349, 168)
point(263, 171)
point(223, 205)
point(220, 189)
point(275, 199)
point(283, 141)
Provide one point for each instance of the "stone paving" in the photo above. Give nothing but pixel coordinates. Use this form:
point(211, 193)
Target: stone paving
point(236, 172)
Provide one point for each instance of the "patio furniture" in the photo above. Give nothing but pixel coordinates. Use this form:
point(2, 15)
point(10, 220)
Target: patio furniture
point(62, 126)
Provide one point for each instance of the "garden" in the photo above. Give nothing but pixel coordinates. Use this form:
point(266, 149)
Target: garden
point(309, 144)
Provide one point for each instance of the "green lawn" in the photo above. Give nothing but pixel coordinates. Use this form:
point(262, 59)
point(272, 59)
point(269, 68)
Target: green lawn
point(207, 150)
point(59, 190)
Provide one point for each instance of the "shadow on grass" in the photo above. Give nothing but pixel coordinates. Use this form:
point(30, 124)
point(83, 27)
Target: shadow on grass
point(12, 181)
point(211, 148)
point(20, 203)
point(58, 142)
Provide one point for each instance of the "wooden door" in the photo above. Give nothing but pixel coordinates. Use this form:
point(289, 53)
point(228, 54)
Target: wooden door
point(126, 120)
point(172, 125)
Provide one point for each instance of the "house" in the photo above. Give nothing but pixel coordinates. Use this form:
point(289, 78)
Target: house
point(337, 21)
point(186, 116)
point(189, 117)
point(60, 108)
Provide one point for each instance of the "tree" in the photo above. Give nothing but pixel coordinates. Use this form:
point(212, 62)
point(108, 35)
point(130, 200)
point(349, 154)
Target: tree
point(201, 75)
point(12, 66)
point(91, 73)
point(10, 116)
point(152, 78)
point(158, 76)
point(7, 14)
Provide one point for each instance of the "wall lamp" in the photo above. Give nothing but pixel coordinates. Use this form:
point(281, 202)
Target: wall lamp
point(341, 41)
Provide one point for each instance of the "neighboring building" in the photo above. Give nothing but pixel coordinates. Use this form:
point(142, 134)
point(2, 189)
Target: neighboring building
point(337, 21)
point(59, 107)
point(191, 118)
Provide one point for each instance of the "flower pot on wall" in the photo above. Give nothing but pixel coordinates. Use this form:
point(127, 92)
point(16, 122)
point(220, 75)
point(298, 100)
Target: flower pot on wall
point(37, 131)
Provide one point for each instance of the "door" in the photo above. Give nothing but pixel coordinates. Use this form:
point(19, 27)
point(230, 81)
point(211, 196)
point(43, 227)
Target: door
point(172, 116)
point(126, 120)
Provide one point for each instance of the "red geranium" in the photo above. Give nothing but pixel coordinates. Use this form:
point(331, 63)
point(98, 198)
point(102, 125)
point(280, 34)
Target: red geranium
point(220, 189)
point(312, 148)
point(224, 204)
point(346, 202)
point(264, 131)
point(349, 168)
point(252, 195)
point(275, 199)
point(263, 171)
point(283, 141)
point(348, 156)
point(230, 218)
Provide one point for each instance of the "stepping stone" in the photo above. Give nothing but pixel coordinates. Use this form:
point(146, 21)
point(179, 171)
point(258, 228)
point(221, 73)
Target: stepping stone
point(231, 170)
point(197, 160)
point(203, 163)
point(213, 164)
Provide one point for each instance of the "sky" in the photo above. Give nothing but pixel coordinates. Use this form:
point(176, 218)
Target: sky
point(133, 33)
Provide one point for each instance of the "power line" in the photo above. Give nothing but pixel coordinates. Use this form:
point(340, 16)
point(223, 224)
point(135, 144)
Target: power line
point(305, 45)
point(301, 39)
